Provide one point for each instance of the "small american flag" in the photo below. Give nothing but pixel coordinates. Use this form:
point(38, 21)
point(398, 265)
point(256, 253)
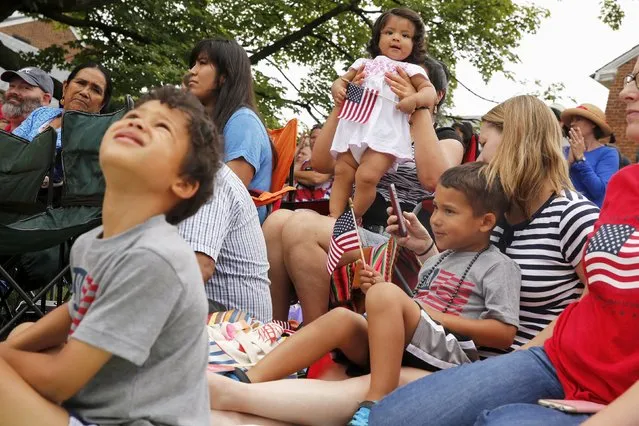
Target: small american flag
point(612, 257)
point(359, 103)
point(344, 239)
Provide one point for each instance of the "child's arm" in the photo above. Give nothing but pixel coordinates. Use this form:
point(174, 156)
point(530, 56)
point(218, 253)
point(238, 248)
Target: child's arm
point(426, 95)
point(59, 376)
point(484, 332)
point(50, 331)
point(338, 90)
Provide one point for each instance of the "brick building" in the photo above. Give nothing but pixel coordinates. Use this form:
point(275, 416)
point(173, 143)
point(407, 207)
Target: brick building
point(611, 75)
point(24, 34)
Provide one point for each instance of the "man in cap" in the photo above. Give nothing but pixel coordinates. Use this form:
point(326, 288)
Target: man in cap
point(29, 88)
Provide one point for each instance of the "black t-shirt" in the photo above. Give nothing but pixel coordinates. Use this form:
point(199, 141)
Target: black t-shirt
point(409, 189)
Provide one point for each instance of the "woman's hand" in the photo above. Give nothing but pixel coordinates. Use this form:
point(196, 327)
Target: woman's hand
point(400, 84)
point(577, 144)
point(368, 277)
point(418, 239)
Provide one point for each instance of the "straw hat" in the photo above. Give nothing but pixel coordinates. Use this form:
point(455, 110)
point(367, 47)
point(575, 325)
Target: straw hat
point(590, 112)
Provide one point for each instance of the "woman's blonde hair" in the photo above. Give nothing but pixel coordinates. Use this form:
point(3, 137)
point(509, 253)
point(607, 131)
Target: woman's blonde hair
point(529, 155)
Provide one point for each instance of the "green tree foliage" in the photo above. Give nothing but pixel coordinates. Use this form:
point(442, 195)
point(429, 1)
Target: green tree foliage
point(146, 42)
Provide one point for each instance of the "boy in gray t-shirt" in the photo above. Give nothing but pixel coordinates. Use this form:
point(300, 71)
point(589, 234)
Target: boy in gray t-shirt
point(131, 346)
point(468, 295)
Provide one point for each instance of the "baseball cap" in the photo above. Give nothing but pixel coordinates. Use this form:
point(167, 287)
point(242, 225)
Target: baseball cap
point(33, 76)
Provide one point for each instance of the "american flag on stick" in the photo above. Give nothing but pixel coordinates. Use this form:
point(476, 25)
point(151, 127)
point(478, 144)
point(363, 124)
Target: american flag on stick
point(345, 238)
point(612, 256)
point(358, 104)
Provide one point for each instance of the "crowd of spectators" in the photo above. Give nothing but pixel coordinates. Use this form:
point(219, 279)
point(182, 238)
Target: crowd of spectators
point(570, 212)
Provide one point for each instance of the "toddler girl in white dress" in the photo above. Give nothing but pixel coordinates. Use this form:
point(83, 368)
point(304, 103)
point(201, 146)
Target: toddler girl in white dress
point(365, 152)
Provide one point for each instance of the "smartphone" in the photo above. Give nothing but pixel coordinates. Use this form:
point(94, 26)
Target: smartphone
point(397, 209)
point(572, 406)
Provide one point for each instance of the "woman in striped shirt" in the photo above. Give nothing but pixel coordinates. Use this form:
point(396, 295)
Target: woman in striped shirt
point(548, 223)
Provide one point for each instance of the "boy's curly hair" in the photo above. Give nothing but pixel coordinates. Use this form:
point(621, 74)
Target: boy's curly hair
point(418, 55)
point(202, 160)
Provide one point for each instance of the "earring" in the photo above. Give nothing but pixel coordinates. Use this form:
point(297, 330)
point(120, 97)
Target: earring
point(61, 102)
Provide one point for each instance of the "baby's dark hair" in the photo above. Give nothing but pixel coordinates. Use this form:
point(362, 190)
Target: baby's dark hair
point(470, 179)
point(418, 54)
point(202, 160)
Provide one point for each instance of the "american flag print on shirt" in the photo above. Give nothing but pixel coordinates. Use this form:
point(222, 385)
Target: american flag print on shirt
point(358, 104)
point(82, 301)
point(344, 239)
point(612, 257)
point(442, 288)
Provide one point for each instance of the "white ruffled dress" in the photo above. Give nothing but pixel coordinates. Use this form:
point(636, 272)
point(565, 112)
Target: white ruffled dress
point(387, 129)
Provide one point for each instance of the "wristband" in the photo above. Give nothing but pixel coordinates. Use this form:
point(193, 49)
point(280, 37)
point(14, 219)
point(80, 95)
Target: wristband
point(422, 107)
point(427, 250)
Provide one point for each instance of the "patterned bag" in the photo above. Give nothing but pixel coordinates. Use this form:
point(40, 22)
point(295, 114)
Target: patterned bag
point(240, 344)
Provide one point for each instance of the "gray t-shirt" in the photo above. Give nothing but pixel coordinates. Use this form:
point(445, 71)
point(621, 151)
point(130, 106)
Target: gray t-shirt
point(140, 296)
point(490, 289)
point(227, 229)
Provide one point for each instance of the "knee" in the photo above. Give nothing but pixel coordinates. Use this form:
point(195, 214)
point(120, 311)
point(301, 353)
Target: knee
point(274, 224)
point(367, 175)
point(301, 228)
point(505, 415)
point(344, 170)
point(345, 321)
point(382, 296)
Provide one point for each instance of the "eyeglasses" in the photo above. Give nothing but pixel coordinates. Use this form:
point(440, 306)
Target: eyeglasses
point(630, 77)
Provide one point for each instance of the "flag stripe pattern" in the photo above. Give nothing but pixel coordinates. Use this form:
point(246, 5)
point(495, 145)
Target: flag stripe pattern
point(344, 239)
point(612, 257)
point(358, 104)
point(89, 289)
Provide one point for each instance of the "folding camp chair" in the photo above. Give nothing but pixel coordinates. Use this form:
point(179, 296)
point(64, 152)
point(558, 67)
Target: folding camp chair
point(284, 140)
point(23, 166)
point(79, 210)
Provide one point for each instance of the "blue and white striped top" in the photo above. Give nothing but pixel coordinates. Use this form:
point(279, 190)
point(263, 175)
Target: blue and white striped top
point(547, 249)
point(227, 229)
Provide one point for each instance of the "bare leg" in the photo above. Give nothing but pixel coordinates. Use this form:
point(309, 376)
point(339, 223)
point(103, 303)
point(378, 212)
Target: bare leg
point(305, 241)
point(281, 284)
point(372, 166)
point(339, 328)
point(21, 405)
point(393, 319)
point(231, 418)
point(345, 168)
point(297, 401)
point(19, 329)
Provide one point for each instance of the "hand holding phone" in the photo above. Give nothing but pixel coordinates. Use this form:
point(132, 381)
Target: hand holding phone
point(397, 210)
point(572, 406)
